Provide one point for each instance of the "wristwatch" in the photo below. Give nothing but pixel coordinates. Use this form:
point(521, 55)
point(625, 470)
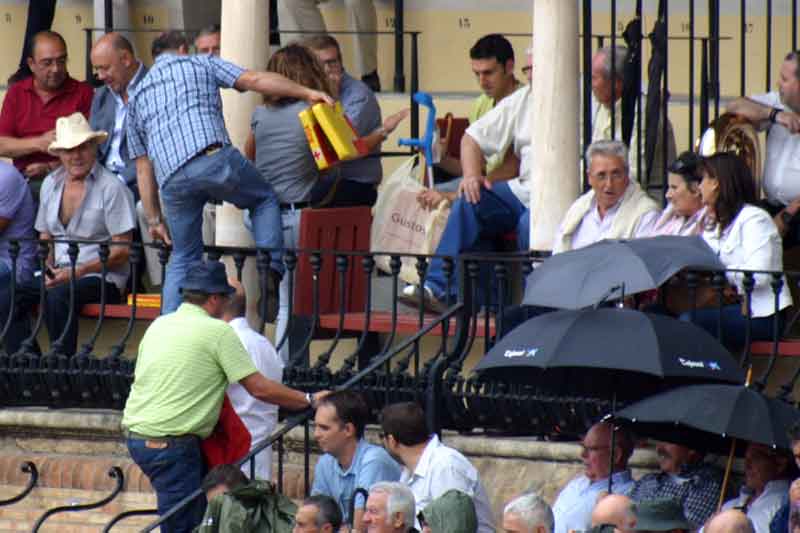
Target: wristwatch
point(312, 403)
point(773, 115)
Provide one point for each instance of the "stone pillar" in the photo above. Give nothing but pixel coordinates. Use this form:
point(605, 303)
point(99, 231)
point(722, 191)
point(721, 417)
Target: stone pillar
point(244, 34)
point(555, 109)
point(120, 12)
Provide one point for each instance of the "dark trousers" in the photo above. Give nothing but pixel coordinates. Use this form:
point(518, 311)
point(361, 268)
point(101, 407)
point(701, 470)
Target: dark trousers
point(175, 468)
point(734, 325)
point(353, 194)
point(56, 310)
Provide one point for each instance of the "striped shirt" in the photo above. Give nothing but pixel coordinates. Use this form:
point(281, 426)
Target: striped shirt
point(176, 111)
point(185, 362)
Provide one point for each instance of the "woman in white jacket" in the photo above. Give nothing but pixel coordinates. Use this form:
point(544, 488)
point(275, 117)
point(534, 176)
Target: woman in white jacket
point(744, 237)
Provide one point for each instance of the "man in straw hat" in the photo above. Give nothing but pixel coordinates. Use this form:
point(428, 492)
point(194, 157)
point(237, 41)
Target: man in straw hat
point(79, 200)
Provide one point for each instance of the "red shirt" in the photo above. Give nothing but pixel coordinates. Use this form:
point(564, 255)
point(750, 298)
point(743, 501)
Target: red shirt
point(24, 113)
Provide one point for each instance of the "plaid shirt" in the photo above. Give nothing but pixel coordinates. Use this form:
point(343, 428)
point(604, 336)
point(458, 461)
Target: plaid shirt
point(696, 486)
point(176, 111)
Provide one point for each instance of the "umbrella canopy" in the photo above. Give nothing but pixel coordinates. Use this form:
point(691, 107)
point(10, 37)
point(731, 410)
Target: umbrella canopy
point(583, 277)
point(706, 416)
point(600, 352)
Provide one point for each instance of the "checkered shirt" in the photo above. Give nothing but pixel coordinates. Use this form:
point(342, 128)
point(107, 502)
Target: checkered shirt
point(176, 110)
point(696, 486)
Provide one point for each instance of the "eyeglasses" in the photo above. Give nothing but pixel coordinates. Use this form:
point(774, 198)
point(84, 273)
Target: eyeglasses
point(332, 63)
point(591, 449)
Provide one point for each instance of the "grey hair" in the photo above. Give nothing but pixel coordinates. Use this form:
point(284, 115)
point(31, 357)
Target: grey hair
point(620, 56)
point(211, 29)
point(607, 148)
point(400, 500)
point(532, 510)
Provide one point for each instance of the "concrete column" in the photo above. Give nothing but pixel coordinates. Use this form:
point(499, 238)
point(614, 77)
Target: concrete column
point(555, 110)
point(244, 29)
point(120, 13)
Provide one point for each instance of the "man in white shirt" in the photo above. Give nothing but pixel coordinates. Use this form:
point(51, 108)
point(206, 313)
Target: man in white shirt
point(429, 467)
point(778, 112)
point(615, 207)
point(766, 483)
point(260, 418)
point(485, 208)
point(574, 504)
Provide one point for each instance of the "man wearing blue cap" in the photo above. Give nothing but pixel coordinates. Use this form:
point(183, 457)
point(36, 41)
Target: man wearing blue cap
point(185, 362)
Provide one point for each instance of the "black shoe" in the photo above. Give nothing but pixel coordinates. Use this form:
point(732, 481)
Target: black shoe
point(268, 308)
point(373, 81)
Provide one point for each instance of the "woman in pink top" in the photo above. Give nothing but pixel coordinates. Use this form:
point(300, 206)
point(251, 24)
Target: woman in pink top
point(685, 214)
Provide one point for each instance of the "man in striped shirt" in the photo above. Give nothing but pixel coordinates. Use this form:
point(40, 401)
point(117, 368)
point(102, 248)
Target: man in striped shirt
point(177, 135)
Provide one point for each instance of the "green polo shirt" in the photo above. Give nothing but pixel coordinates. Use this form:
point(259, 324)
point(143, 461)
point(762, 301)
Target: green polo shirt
point(186, 360)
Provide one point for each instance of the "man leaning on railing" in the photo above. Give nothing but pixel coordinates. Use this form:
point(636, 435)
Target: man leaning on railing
point(80, 200)
point(185, 362)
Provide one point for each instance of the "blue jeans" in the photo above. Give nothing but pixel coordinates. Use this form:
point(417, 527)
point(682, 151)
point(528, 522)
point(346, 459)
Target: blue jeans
point(734, 325)
point(174, 472)
point(471, 228)
point(225, 175)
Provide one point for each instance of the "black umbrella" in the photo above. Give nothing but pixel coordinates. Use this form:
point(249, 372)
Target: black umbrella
point(609, 352)
point(713, 417)
point(583, 277)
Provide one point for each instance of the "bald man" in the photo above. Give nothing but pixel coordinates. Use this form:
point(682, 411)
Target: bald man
point(617, 510)
point(115, 64)
point(730, 521)
point(573, 506)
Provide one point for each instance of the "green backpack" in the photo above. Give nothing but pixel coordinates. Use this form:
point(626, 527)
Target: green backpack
point(255, 507)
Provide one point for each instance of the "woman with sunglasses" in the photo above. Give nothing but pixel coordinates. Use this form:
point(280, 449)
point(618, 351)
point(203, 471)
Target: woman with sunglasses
point(685, 214)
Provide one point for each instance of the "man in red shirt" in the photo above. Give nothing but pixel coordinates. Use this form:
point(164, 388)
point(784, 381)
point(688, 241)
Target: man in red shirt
point(32, 106)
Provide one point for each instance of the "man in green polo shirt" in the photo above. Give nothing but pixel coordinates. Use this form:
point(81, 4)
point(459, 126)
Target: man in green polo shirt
point(185, 362)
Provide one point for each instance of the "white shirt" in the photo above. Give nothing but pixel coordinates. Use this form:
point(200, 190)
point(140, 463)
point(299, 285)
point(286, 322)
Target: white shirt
point(440, 469)
point(114, 160)
point(573, 507)
point(508, 124)
point(752, 242)
point(601, 131)
point(259, 417)
point(762, 509)
point(782, 160)
point(594, 229)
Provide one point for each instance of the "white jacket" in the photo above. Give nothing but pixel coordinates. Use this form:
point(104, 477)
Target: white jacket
point(752, 242)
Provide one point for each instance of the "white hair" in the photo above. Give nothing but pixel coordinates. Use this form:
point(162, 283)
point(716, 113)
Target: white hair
point(400, 500)
point(608, 148)
point(532, 510)
point(620, 56)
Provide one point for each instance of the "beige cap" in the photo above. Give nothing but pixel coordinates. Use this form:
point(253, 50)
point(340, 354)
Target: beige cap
point(73, 131)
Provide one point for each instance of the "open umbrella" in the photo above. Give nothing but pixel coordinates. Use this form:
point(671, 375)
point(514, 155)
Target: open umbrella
point(713, 417)
point(584, 277)
point(608, 352)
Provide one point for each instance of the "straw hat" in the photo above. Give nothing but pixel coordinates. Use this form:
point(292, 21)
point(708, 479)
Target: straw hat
point(73, 131)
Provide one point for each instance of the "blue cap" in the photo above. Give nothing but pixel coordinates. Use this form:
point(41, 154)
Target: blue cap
point(208, 277)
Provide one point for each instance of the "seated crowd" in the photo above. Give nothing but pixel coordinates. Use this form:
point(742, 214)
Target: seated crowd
point(149, 153)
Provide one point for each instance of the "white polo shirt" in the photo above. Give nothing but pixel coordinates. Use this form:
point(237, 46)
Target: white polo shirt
point(782, 165)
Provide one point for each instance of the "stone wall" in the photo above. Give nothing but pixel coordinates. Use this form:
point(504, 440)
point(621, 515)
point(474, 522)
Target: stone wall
point(74, 449)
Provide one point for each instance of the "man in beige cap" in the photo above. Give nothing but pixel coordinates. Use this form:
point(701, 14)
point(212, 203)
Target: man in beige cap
point(80, 200)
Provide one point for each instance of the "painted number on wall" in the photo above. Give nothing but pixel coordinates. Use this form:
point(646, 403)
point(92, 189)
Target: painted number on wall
point(464, 23)
point(78, 19)
point(389, 23)
point(7, 18)
point(148, 20)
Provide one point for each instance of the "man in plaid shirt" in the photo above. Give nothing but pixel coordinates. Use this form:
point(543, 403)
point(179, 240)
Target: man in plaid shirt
point(683, 477)
point(176, 134)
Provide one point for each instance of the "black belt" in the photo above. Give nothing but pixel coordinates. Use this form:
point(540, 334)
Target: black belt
point(210, 149)
point(292, 206)
point(167, 439)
